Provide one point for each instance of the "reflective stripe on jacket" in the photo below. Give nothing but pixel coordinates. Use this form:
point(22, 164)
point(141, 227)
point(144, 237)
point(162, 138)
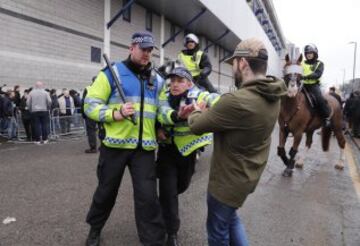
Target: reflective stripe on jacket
point(103, 98)
point(181, 135)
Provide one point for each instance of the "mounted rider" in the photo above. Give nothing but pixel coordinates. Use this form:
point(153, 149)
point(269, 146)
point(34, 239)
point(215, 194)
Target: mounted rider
point(313, 70)
point(197, 62)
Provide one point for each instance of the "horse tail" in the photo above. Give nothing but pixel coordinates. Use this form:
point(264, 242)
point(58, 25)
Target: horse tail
point(325, 138)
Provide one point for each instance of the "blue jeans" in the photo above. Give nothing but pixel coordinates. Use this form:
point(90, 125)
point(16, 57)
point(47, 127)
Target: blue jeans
point(12, 129)
point(4, 125)
point(224, 226)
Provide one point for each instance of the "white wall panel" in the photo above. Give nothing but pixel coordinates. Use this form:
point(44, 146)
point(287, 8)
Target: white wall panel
point(239, 18)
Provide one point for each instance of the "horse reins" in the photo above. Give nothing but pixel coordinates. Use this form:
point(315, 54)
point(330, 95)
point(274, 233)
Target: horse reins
point(286, 122)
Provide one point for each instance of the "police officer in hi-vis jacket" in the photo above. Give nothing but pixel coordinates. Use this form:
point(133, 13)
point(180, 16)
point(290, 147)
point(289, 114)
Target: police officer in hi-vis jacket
point(125, 144)
point(177, 152)
point(197, 62)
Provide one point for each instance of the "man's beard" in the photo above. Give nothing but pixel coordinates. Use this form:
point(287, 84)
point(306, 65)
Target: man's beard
point(238, 78)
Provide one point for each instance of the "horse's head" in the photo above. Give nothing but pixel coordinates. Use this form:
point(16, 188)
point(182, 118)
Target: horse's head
point(169, 66)
point(293, 72)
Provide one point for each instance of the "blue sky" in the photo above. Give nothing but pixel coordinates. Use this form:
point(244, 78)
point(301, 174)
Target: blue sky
point(331, 25)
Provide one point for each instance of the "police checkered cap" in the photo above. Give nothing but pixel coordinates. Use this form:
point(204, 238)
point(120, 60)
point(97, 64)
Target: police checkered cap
point(252, 48)
point(144, 39)
point(181, 72)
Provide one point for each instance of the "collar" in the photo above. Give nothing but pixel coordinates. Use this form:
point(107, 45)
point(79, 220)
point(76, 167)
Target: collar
point(191, 52)
point(311, 62)
point(144, 72)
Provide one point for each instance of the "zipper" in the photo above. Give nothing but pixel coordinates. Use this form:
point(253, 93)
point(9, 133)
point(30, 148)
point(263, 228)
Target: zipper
point(141, 112)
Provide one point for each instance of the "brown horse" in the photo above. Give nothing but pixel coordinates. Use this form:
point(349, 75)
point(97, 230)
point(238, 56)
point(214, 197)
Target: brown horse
point(297, 117)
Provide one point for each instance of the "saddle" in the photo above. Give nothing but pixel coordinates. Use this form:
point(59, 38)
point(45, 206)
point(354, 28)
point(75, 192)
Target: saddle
point(310, 99)
point(312, 102)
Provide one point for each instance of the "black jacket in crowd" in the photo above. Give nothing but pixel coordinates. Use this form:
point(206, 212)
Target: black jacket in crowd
point(25, 113)
point(7, 107)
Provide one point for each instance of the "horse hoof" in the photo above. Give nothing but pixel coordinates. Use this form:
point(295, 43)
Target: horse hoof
point(339, 167)
point(287, 173)
point(299, 165)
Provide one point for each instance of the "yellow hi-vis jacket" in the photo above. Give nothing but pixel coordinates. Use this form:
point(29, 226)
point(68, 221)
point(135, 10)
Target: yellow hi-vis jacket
point(191, 64)
point(309, 69)
point(103, 98)
point(180, 134)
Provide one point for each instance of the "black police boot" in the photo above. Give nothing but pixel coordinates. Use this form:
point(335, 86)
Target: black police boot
point(90, 151)
point(172, 240)
point(93, 238)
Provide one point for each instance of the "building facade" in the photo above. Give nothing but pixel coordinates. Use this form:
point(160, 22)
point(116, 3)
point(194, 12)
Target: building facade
point(60, 42)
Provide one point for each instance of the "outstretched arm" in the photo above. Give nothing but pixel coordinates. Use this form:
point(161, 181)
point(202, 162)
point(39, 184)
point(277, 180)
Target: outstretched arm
point(218, 118)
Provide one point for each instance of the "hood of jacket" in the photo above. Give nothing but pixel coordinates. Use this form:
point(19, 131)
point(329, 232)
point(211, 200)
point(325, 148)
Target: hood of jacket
point(271, 88)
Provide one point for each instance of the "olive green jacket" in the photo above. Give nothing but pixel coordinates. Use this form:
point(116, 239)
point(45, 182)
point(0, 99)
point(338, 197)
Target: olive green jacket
point(242, 122)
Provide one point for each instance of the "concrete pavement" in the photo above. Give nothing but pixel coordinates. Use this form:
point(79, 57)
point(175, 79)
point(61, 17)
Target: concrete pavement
point(48, 190)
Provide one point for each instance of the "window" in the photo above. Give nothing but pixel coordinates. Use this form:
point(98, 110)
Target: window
point(95, 54)
point(127, 13)
point(148, 21)
point(172, 31)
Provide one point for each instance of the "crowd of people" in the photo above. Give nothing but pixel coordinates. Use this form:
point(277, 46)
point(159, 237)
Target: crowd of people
point(352, 113)
point(180, 117)
point(176, 119)
point(36, 109)
point(181, 121)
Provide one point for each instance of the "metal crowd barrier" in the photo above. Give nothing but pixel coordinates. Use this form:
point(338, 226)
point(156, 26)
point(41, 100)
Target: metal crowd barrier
point(60, 126)
point(14, 123)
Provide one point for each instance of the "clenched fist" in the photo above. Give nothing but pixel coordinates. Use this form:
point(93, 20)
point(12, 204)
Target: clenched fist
point(125, 111)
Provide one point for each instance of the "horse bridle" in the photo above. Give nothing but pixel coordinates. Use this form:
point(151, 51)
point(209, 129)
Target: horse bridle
point(286, 122)
point(294, 70)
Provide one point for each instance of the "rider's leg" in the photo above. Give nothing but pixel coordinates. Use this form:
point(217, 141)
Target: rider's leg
point(204, 82)
point(322, 105)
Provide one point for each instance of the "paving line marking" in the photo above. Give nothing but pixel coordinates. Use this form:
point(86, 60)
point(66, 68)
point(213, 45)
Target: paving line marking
point(355, 176)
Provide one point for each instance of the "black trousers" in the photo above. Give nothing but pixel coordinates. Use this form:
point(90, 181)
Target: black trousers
point(27, 126)
point(175, 172)
point(40, 125)
point(356, 127)
point(321, 104)
point(111, 167)
point(91, 132)
point(205, 83)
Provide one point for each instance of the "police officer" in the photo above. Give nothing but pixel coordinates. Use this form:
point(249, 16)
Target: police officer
point(313, 70)
point(197, 62)
point(90, 125)
point(125, 144)
point(177, 152)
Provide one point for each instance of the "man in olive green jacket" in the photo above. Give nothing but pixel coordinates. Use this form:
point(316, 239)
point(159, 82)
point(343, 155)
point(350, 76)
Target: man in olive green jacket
point(242, 123)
